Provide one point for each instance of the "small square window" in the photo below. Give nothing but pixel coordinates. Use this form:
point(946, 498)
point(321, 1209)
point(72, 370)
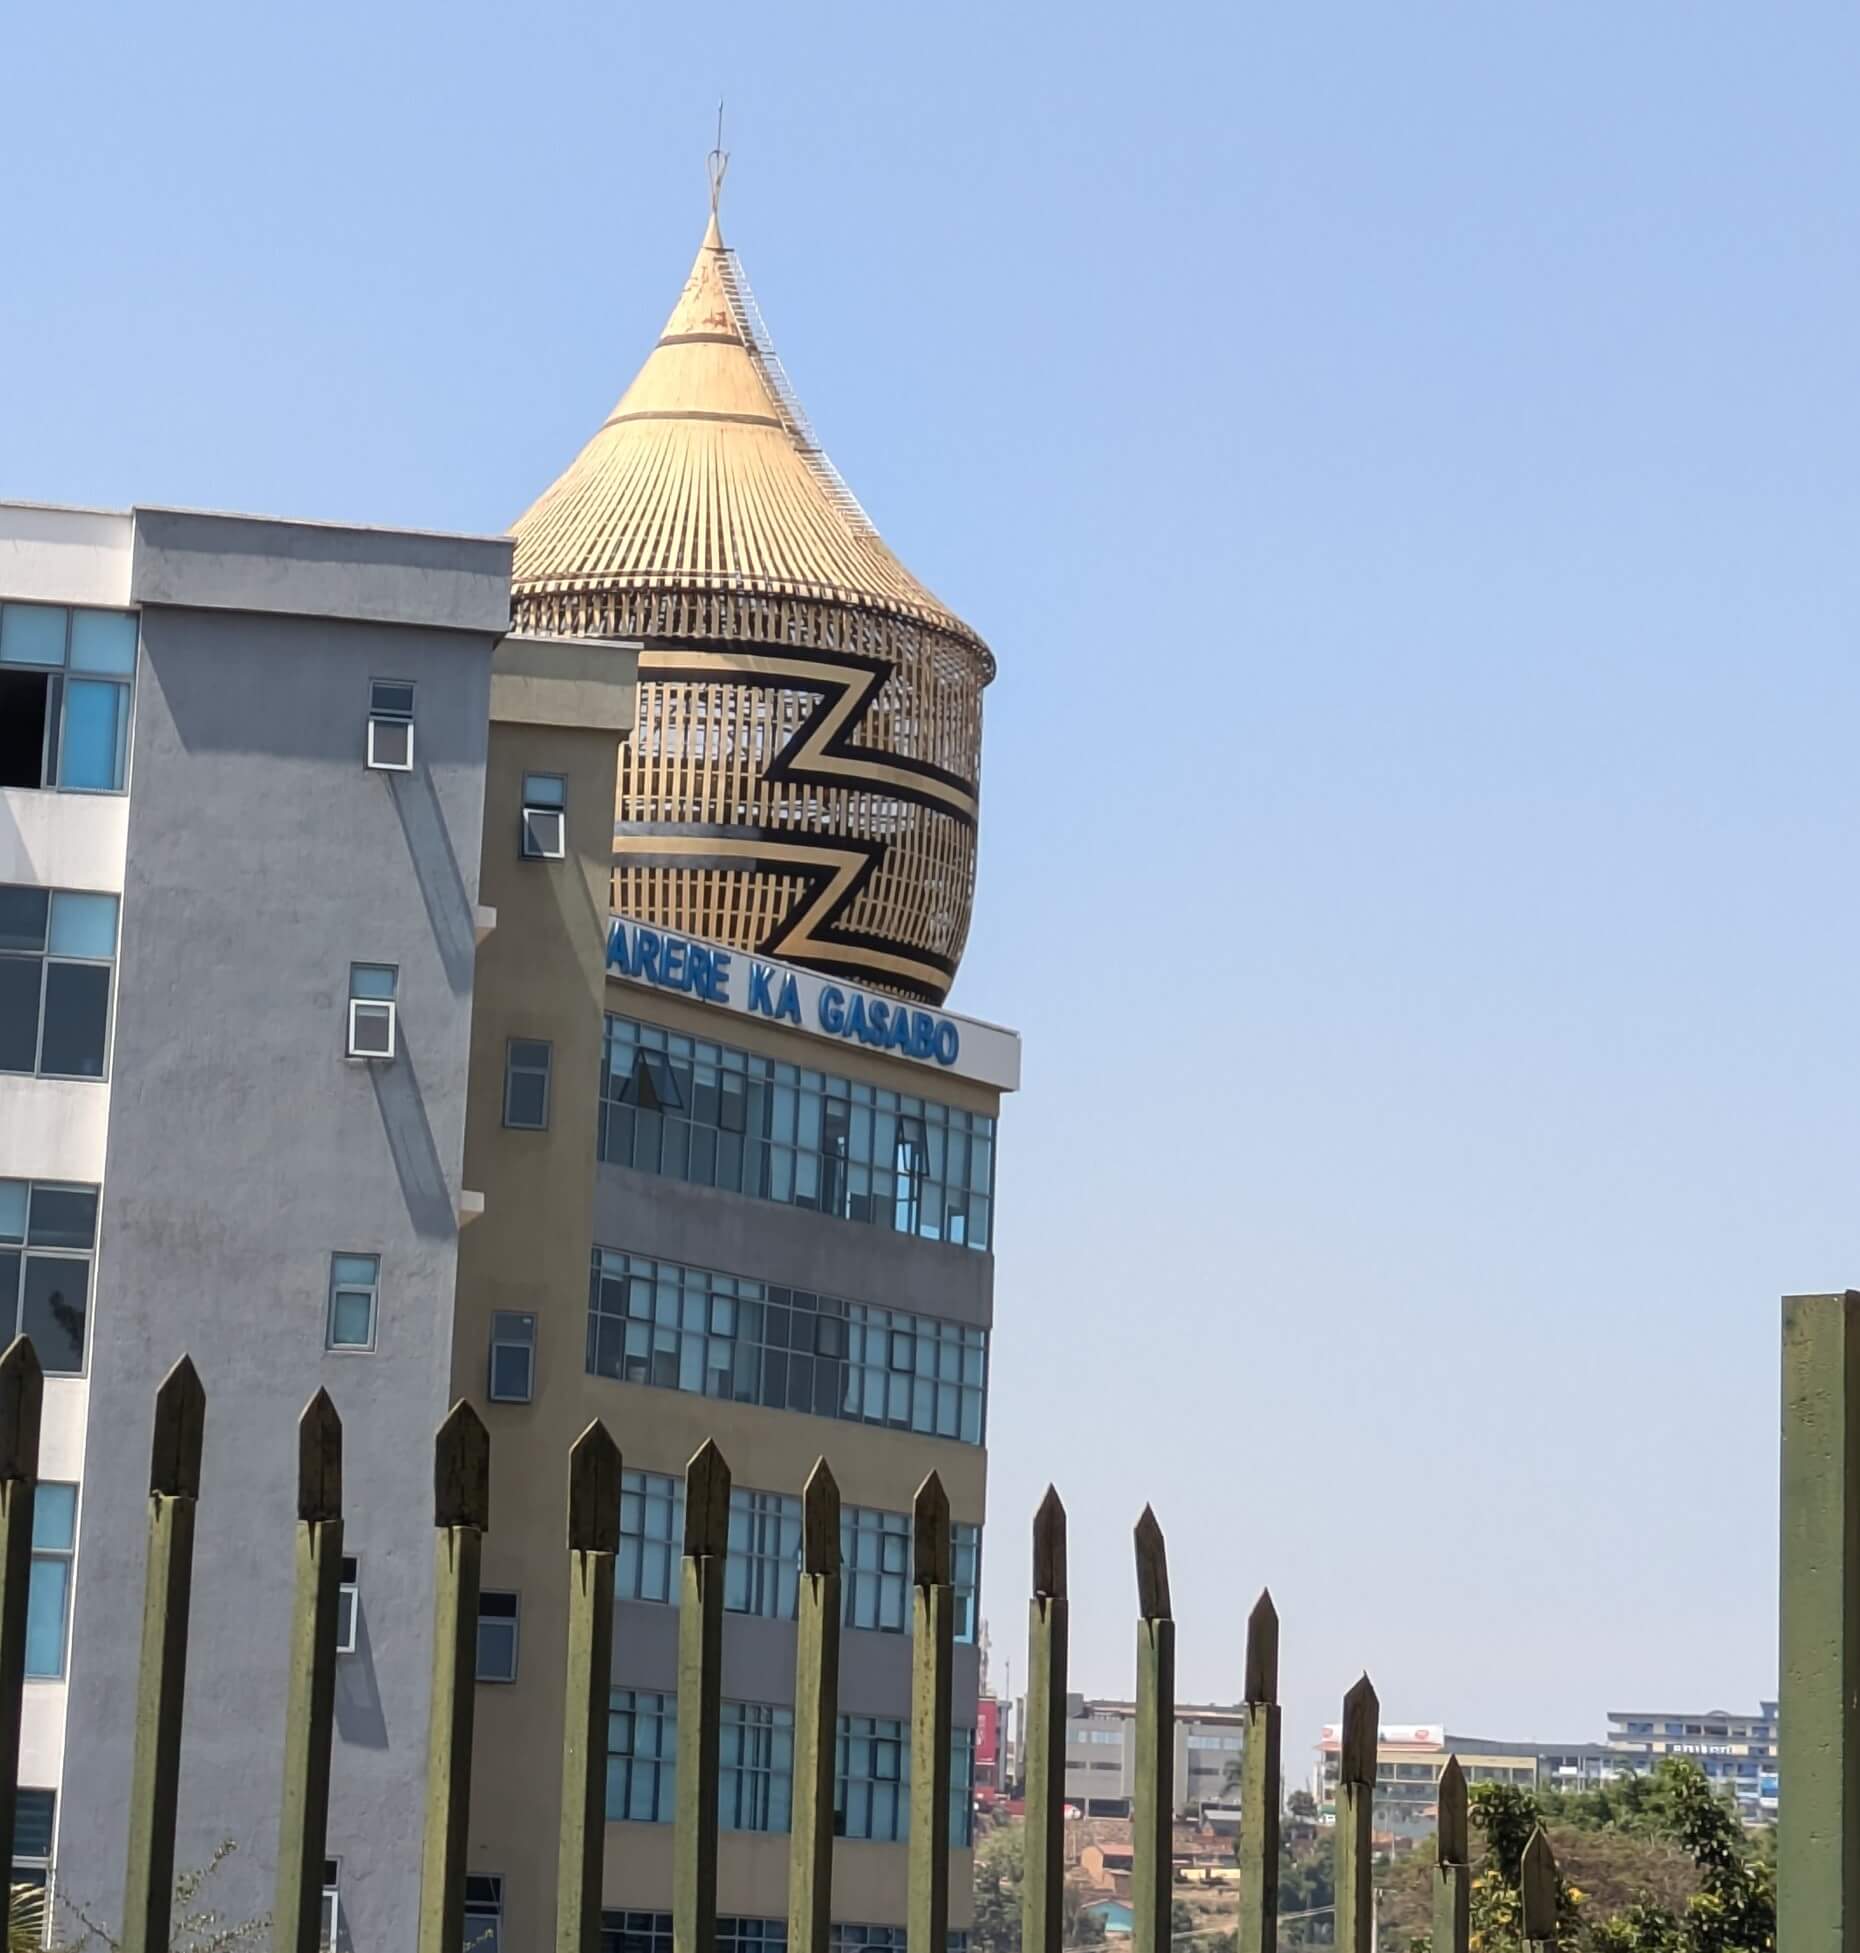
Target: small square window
point(513, 1357)
point(372, 1010)
point(354, 1291)
point(497, 1637)
point(526, 1084)
point(390, 725)
point(545, 816)
point(349, 1608)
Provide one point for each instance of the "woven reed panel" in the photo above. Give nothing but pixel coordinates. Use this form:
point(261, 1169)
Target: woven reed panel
point(805, 775)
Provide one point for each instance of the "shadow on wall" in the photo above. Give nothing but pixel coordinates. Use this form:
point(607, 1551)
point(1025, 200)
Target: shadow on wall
point(436, 869)
point(410, 1144)
point(359, 1716)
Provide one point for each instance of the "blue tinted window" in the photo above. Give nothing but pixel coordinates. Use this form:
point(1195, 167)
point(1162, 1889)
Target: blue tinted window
point(54, 1533)
point(83, 925)
point(32, 634)
point(95, 735)
point(104, 640)
point(721, 1117)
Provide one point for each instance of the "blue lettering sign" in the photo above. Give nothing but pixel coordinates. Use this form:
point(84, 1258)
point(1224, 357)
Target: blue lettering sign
point(948, 1042)
point(789, 1005)
point(759, 997)
point(719, 991)
point(831, 1010)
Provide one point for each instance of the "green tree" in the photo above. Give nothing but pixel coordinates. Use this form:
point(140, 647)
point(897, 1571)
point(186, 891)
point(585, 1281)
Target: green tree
point(1000, 1881)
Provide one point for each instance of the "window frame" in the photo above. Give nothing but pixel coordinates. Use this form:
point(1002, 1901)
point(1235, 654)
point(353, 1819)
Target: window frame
point(513, 1071)
point(339, 1287)
point(536, 803)
point(59, 678)
point(474, 1908)
point(500, 1339)
point(50, 959)
point(381, 717)
point(388, 1003)
point(498, 1618)
point(65, 1559)
point(349, 1589)
point(27, 1251)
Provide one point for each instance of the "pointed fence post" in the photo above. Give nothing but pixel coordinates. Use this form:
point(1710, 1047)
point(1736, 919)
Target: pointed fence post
point(1356, 1804)
point(1152, 1832)
point(310, 1711)
point(462, 1516)
point(593, 1540)
point(155, 1774)
point(700, 1701)
point(1043, 1883)
point(1452, 1862)
point(1259, 1784)
point(22, 1399)
point(1818, 1827)
point(933, 1620)
point(1537, 1891)
point(816, 1717)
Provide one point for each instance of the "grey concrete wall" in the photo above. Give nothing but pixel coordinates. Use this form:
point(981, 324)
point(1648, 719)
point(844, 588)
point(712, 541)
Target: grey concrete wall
point(244, 1149)
point(321, 569)
point(706, 1227)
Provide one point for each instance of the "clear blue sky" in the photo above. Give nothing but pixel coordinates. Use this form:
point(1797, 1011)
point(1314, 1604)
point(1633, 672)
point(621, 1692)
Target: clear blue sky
point(1405, 459)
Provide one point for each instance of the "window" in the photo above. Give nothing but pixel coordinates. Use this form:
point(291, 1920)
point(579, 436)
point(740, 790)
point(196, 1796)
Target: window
point(65, 682)
point(57, 952)
point(526, 1084)
point(513, 1357)
point(331, 1931)
point(497, 1637)
point(642, 1756)
point(47, 1234)
point(354, 1291)
point(545, 816)
point(371, 1009)
point(756, 1743)
point(875, 1571)
point(390, 725)
point(484, 1914)
point(872, 1781)
point(652, 1520)
point(763, 1569)
point(698, 1330)
point(349, 1607)
point(720, 1117)
point(651, 1932)
point(870, 1799)
point(48, 1599)
point(34, 1818)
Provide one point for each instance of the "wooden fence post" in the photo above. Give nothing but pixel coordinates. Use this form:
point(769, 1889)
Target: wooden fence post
point(1043, 1882)
point(816, 1717)
point(1452, 1862)
point(1356, 1800)
point(1818, 1828)
point(462, 1516)
point(1259, 1792)
point(1152, 1832)
point(310, 1709)
point(594, 1470)
point(1537, 1892)
point(700, 1701)
point(933, 1601)
point(22, 1398)
point(155, 1775)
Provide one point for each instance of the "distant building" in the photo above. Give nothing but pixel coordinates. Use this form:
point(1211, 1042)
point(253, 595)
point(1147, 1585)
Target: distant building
point(1737, 1752)
point(1409, 1760)
point(1101, 1754)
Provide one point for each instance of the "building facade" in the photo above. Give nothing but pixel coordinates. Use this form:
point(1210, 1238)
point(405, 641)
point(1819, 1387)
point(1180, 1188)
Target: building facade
point(1736, 1750)
point(331, 1055)
point(1101, 1755)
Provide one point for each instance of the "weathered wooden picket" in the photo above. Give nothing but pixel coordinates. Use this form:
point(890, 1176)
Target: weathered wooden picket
point(1819, 1886)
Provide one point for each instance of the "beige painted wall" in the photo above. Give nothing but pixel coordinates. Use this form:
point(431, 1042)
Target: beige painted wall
point(540, 975)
